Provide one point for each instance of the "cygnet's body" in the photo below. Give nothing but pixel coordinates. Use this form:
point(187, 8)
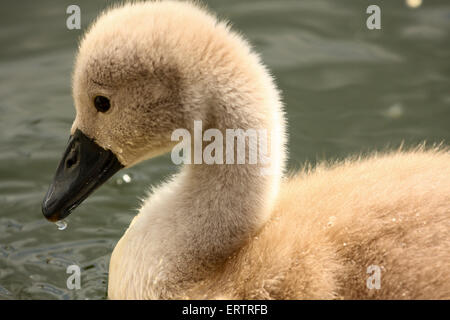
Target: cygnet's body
point(230, 231)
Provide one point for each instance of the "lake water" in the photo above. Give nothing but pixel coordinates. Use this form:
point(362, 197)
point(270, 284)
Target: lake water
point(347, 90)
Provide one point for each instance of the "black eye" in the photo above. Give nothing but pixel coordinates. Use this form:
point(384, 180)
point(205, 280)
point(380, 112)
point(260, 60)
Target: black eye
point(102, 103)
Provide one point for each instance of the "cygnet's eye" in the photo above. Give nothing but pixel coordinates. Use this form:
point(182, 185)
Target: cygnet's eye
point(102, 103)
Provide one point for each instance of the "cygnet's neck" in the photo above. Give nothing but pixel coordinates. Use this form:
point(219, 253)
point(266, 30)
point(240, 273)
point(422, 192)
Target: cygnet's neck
point(208, 211)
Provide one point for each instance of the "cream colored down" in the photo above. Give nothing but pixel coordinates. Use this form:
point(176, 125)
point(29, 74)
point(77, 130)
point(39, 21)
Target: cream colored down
point(228, 231)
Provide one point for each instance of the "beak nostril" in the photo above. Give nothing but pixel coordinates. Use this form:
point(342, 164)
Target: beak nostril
point(72, 159)
point(83, 168)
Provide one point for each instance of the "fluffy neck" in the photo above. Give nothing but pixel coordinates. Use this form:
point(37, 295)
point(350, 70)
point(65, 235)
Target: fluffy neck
point(205, 213)
point(191, 224)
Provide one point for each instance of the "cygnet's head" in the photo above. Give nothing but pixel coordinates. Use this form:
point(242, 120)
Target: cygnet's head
point(142, 71)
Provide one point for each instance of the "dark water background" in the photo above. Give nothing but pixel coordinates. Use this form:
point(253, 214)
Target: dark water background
point(347, 90)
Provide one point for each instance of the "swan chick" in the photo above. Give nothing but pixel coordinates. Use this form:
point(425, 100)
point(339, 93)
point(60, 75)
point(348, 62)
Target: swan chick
point(144, 70)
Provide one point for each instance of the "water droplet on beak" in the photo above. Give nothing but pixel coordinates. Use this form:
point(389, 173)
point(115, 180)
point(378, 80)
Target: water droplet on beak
point(62, 225)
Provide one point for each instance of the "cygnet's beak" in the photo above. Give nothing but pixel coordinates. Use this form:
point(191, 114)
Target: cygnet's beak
point(83, 168)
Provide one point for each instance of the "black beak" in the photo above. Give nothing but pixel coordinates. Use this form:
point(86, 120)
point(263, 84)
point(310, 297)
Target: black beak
point(83, 168)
